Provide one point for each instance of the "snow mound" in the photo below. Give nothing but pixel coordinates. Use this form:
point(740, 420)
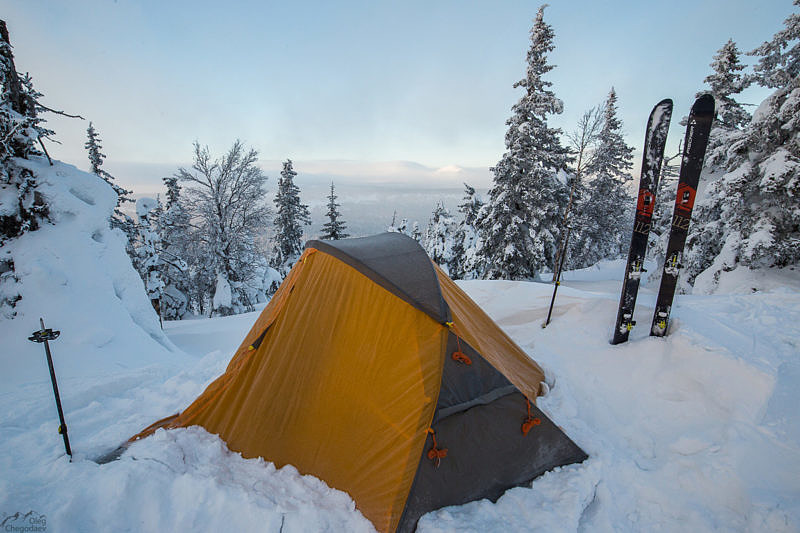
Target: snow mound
point(76, 275)
point(184, 480)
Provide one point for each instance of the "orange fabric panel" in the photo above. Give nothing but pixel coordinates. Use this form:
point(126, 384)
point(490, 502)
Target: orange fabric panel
point(343, 386)
point(473, 325)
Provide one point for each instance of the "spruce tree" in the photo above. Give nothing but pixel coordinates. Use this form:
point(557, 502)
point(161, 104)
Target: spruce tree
point(148, 245)
point(519, 229)
point(465, 236)
point(290, 217)
point(603, 226)
point(725, 81)
point(706, 233)
point(440, 237)
point(119, 219)
point(416, 232)
point(759, 223)
point(173, 226)
point(778, 65)
point(334, 229)
point(23, 207)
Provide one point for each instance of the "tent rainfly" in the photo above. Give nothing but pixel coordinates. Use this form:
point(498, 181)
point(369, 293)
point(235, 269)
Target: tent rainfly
point(372, 370)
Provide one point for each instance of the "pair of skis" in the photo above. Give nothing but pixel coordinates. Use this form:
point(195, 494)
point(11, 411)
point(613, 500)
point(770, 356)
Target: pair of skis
point(694, 149)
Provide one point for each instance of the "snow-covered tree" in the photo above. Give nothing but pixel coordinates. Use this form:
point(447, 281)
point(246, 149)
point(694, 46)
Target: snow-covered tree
point(758, 225)
point(225, 202)
point(602, 221)
point(440, 237)
point(96, 158)
point(22, 206)
point(416, 232)
point(148, 244)
point(778, 65)
point(725, 81)
point(519, 229)
point(401, 228)
point(289, 220)
point(334, 229)
point(118, 219)
point(465, 236)
point(392, 228)
point(705, 238)
point(583, 143)
point(174, 234)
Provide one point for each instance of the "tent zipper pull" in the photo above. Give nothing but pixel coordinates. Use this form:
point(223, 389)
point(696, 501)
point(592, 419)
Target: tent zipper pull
point(436, 454)
point(530, 421)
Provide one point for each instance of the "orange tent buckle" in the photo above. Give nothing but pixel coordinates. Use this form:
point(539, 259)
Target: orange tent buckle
point(436, 454)
point(461, 357)
point(528, 425)
point(529, 420)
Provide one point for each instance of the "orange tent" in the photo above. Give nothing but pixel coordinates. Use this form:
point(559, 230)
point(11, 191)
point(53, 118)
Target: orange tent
point(374, 371)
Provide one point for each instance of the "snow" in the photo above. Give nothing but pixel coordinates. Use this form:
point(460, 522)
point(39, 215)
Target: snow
point(144, 206)
point(696, 431)
point(222, 294)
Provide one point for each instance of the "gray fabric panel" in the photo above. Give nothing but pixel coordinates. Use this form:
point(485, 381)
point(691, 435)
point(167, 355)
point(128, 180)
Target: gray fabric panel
point(464, 386)
point(487, 454)
point(397, 263)
point(489, 397)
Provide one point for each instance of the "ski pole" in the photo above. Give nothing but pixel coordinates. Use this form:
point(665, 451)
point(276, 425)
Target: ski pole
point(558, 276)
point(44, 336)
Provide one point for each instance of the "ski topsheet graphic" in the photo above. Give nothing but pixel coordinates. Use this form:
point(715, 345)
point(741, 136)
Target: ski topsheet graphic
point(654, 141)
point(694, 151)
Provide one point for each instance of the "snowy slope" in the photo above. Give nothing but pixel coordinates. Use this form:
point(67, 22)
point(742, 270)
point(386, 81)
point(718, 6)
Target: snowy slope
point(693, 432)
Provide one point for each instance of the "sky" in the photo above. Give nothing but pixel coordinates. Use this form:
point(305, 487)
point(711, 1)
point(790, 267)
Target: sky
point(411, 91)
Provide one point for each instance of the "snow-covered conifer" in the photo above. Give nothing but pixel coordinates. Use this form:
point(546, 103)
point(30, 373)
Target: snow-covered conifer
point(519, 228)
point(725, 81)
point(706, 233)
point(603, 225)
point(22, 206)
point(779, 58)
point(290, 217)
point(403, 227)
point(392, 228)
point(335, 228)
point(756, 198)
point(148, 244)
point(119, 219)
point(465, 236)
point(173, 231)
point(416, 232)
point(440, 237)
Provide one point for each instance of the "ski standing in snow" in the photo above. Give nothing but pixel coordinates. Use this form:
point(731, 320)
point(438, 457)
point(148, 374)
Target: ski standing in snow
point(694, 151)
point(654, 141)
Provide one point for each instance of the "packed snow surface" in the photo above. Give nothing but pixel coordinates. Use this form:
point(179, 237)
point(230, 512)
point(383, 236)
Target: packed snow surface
point(696, 431)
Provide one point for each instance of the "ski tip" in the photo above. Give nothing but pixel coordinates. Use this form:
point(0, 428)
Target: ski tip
point(704, 105)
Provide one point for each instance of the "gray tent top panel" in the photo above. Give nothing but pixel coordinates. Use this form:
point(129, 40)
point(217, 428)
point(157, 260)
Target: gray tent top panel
point(398, 264)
